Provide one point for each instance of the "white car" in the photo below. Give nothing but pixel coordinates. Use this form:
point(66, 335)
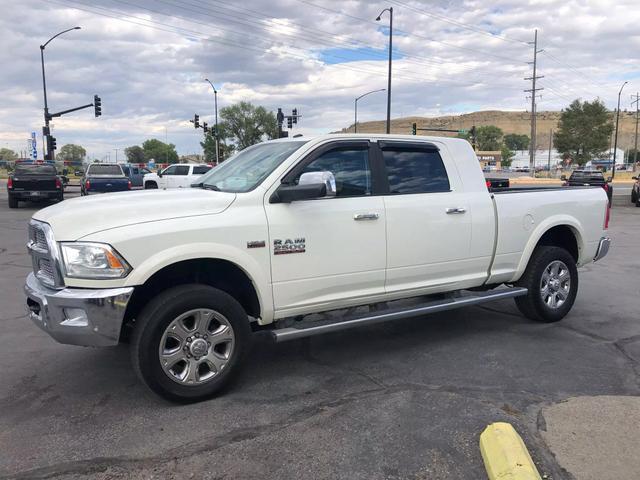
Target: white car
point(294, 227)
point(179, 175)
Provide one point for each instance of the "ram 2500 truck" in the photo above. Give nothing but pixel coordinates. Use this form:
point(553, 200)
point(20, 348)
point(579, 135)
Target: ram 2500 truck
point(382, 226)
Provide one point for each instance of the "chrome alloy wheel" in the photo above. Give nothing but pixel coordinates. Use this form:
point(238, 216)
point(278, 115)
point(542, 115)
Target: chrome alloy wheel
point(196, 346)
point(555, 284)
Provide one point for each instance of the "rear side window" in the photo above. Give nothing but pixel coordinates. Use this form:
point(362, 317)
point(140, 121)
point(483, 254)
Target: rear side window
point(201, 170)
point(415, 171)
point(181, 170)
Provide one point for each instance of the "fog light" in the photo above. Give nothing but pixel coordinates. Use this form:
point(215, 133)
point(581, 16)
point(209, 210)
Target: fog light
point(75, 317)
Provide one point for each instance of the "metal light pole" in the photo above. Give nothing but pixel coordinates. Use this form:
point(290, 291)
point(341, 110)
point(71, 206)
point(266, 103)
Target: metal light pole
point(215, 101)
point(615, 142)
point(355, 123)
point(44, 85)
point(390, 10)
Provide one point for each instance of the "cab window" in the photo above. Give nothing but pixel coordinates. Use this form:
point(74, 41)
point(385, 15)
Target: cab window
point(350, 167)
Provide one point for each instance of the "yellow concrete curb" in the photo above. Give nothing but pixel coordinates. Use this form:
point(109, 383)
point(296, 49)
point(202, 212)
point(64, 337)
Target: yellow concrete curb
point(505, 455)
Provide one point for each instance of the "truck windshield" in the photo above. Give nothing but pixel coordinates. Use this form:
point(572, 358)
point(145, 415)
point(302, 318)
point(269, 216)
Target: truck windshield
point(247, 169)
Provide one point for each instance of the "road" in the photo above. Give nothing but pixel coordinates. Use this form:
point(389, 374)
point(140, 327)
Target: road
point(400, 400)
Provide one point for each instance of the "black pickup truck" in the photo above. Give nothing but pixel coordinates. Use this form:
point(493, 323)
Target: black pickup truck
point(31, 181)
point(592, 178)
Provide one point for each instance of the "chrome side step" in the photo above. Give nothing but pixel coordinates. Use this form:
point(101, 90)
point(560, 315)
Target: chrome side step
point(473, 298)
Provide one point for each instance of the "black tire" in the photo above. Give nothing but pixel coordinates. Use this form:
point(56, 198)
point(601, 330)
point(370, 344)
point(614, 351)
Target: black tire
point(60, 197)
point(532, 305)
point(150, 185)
point(634, 196)
point(13, 202)
point(156, 318)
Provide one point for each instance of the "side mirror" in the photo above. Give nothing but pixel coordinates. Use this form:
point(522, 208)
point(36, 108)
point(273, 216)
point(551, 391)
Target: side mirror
point(634, 178)
point(292, 193)
point(563, 178)
point(159, 174)
point(312, 178)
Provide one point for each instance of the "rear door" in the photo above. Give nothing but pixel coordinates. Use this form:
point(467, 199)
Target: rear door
point(429, 221)
point(329, 251)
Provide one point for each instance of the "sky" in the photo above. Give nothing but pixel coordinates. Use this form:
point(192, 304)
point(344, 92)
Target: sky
point(148, 60)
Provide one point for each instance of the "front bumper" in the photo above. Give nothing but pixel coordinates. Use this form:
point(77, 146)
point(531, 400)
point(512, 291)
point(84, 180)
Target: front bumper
point(78, 316)
point(603, 248)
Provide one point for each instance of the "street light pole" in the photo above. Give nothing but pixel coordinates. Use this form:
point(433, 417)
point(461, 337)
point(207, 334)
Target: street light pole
point(355, 123)
point(615, 142)
point(44, 86)
point(390, 10)
point(215, 101)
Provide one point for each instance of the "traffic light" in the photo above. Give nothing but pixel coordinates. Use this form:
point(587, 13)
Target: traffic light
point(196, 121)
point(45, 131)
point(51, 144)
point(414, 128)
point(205, 127)
point(289, 122)
point(294, 115)
point(97, 105)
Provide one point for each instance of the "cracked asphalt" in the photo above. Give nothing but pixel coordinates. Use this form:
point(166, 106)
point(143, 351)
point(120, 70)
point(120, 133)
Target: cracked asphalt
point(406, 399)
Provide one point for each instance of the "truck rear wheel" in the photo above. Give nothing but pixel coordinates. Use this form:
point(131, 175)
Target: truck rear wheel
point(189, 342)
point(552, 280)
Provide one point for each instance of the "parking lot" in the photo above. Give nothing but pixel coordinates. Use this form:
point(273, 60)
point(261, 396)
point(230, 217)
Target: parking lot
point(407, 399)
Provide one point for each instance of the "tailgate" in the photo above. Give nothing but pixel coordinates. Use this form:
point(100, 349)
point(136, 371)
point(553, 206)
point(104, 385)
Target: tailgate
point(30, 184)
point(106, 184)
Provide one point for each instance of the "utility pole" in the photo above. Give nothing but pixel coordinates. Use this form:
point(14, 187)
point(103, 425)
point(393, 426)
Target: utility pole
point(635, 147)
point(550, 145)
point(116, 154)
point(533, 90)
point(615, 139)
point(390, 10)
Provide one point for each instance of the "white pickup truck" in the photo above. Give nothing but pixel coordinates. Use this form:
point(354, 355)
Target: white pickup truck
point(179, 175)
point(382, 226)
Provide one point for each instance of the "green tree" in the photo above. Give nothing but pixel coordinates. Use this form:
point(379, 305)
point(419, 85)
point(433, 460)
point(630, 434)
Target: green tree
point(71, 153)
point(8, 155)
point(507, 155)
point(209, 148)
point(516, 142)
point(584, 131)
point(244, 124)
point(135, 154)
point(489, 138)
point(159, 151)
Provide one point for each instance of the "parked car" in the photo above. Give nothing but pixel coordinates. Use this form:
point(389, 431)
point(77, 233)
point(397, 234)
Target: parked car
point(179, 175)
point(104, 178)
point(635, 191)
point(136, 174)
point(297, 226)
point(588, 178)
point(34, 181)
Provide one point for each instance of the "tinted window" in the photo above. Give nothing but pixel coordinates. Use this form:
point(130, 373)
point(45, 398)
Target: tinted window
point(201, 170)
point(34, 169)
point(350, 167)
point(170, 170)
point(135, 170)
point(182, 170)
point(97, 169)
point(125, 170)
point(415, 171)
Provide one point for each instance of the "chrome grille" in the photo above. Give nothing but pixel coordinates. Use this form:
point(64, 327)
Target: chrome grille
point(44, 254)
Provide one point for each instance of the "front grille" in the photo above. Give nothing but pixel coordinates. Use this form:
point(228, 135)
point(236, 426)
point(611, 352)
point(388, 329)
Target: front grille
point(43, 252)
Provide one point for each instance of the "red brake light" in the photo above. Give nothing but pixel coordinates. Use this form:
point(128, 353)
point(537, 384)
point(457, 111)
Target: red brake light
point(607, 216)
point(58, 183)
point(129, 185)
point(488, 183)
point(10, 182)
point(87, 185)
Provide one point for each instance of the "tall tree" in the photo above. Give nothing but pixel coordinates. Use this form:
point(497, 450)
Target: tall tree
point(159, 151)
point(245, 124)
point(489, 138)
point(71, 153)
point(209, 148)
point(8, 155)
point(135, 154)
point(584, 131)
point(516, 142)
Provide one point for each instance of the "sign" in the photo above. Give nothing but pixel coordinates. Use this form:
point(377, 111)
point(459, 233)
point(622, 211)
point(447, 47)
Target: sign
point(34, 146)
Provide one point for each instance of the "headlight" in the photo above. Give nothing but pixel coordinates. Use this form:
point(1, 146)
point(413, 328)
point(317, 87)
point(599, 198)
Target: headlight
point(93, 260)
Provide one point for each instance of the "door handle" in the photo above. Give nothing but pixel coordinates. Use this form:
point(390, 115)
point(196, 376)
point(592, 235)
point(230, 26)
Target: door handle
point(451, 211)
point(366, 216)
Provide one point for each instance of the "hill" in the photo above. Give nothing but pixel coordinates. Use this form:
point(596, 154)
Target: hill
point(509, 122)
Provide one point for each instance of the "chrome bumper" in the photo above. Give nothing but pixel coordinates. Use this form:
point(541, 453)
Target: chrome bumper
point(603, 248)
point(77, 316)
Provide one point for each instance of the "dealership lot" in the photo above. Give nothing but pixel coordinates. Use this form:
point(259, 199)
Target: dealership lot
point(402, 400)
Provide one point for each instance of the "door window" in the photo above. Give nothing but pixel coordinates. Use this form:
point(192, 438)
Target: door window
point(350, 167)
point(170, 170)
point(415, 171)
point(182, 170)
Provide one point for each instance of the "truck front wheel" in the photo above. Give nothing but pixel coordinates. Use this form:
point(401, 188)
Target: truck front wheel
point(552, 280)
point(189, 342)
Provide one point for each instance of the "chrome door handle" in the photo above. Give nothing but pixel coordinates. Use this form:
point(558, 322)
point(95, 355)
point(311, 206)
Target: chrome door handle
point(456, 210)
point(366, 216)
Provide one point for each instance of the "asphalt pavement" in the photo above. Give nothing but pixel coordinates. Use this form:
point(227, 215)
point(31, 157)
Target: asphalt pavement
point(407, 399)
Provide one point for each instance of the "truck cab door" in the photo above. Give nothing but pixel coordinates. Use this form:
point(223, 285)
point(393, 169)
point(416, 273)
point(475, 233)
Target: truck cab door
point(329, 251)
point(180, 177)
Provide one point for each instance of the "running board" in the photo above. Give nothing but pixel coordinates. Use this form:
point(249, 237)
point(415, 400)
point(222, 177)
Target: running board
point(474, 298)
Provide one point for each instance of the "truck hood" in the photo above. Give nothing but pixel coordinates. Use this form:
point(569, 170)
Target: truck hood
point(78, 217)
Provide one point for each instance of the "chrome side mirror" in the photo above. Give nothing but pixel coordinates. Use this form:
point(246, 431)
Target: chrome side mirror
point(327, 178)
